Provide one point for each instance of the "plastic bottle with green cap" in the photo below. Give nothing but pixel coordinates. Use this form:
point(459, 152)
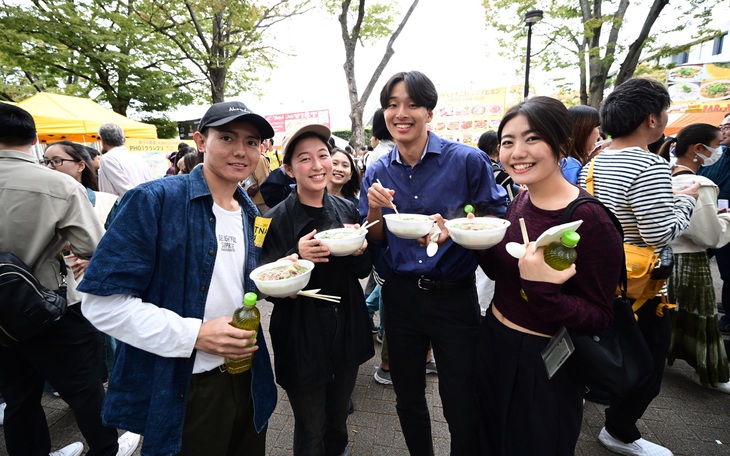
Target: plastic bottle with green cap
point(561, 254)
point(469, 209)
point(246, 317)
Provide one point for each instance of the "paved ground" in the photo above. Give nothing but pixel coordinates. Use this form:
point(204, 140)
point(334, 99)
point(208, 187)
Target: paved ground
point(686, 418)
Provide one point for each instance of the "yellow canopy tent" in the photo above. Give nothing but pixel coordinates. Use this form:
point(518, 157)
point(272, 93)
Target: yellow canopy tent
point(60, 117)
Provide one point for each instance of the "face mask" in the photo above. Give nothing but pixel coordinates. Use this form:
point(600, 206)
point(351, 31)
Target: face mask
point(712, 159)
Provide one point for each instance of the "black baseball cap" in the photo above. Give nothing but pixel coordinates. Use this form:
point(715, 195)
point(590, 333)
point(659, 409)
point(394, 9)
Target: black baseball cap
point(228, 111)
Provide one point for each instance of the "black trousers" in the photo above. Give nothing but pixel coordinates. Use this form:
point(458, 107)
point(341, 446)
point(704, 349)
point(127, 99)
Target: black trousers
point(722, 255)
point(219, 417)
point(521, 411)
point(623, 413)
point(68, 356)
point(449, 320)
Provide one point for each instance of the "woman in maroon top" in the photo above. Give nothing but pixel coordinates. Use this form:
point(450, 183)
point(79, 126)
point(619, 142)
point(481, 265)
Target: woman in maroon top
point(522, 411)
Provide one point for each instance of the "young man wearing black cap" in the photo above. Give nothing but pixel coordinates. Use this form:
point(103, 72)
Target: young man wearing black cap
point(170, 271)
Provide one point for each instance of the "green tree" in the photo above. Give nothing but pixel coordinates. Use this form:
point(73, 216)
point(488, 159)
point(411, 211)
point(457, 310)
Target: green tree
point(166, 128)
point(369, 24)
point(223, 39)
point(592, 36)
point(89, 48)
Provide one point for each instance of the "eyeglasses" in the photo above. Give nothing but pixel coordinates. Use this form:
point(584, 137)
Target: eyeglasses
point(724, 126)
point(56, 162)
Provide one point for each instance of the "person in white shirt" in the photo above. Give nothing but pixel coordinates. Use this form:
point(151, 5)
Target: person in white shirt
point(121, 170)
point(696, 337)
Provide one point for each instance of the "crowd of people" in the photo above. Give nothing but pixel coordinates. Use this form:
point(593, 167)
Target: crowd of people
point(158, 266)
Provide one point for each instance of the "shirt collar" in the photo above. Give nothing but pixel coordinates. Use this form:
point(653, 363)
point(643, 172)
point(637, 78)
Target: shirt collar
point(198, 186)
point(16, 154)
point(433, 146)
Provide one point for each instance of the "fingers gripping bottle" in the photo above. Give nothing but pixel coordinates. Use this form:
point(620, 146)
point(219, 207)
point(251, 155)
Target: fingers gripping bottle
point(248, 318)
point(561, 254)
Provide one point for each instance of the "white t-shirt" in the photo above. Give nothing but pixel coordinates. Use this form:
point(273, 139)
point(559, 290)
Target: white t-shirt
point(164, 332)
point(226, 286)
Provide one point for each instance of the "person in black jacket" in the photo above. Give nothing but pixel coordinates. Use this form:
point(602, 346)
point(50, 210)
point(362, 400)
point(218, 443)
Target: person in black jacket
point(318, 345)
point(277, 186)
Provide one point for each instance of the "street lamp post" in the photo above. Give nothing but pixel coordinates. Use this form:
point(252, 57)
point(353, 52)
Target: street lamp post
point(531, 17)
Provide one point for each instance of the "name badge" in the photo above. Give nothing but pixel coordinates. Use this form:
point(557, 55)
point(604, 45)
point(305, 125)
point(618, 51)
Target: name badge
point(260, 228)
point(557, 351)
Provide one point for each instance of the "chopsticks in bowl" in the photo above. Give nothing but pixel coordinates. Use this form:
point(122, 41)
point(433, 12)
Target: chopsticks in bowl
point(365, 226)
point(392, 204)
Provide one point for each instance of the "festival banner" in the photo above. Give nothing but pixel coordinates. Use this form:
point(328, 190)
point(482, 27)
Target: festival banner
point(288, 123)
point(155, 152)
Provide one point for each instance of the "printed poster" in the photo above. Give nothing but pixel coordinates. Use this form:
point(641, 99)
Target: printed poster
point(463, 116)
point(699, 87)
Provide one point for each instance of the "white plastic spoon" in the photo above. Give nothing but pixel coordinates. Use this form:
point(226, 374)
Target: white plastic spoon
point(515, 249)
point(433, 246)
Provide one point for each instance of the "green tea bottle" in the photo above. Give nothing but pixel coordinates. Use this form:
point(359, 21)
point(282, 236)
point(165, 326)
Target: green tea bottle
point(248, 318)
point(561, 254)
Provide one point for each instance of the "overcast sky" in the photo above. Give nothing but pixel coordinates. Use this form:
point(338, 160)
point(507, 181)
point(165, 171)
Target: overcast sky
point(445, 40)
point(448, 44)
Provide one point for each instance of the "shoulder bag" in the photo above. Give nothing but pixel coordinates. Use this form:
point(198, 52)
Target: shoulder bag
point(26, 307)
point(616, 360)
point(646, 270)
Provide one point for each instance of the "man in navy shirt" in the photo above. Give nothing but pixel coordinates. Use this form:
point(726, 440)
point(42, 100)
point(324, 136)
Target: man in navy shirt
point(428, 299)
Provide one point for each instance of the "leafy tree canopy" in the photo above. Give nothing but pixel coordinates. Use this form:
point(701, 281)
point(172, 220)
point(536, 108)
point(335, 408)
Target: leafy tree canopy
point(222, 39)
point(90, 48)
point(592, 36)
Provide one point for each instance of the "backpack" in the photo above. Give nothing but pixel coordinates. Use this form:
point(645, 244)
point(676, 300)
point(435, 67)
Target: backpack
point(26, 307)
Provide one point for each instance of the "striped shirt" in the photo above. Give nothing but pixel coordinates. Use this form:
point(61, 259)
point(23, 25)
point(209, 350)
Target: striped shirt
point(637, 186)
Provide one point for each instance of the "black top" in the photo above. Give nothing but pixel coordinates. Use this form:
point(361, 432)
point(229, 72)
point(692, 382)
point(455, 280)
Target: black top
point(301, 358)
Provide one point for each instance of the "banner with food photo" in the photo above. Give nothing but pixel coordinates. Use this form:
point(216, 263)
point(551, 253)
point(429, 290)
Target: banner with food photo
point(463, 116)
point(699, 87)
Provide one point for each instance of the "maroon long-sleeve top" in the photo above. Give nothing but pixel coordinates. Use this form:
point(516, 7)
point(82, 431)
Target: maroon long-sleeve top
point(582, 303)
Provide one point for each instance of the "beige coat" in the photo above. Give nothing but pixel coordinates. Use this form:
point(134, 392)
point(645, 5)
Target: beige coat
point(40, 210)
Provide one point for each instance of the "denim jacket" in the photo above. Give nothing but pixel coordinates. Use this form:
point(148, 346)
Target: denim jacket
point(161, 247)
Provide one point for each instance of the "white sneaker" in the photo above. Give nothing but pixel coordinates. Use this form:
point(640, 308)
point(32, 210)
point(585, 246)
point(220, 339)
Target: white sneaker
point(128, 442)
point(431, 367)
point(638, 447)
point(2, 413)
point(382, 376)
point(75, 449)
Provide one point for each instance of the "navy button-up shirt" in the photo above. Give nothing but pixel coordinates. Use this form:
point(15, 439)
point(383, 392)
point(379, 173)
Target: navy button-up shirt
point(449, 176)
